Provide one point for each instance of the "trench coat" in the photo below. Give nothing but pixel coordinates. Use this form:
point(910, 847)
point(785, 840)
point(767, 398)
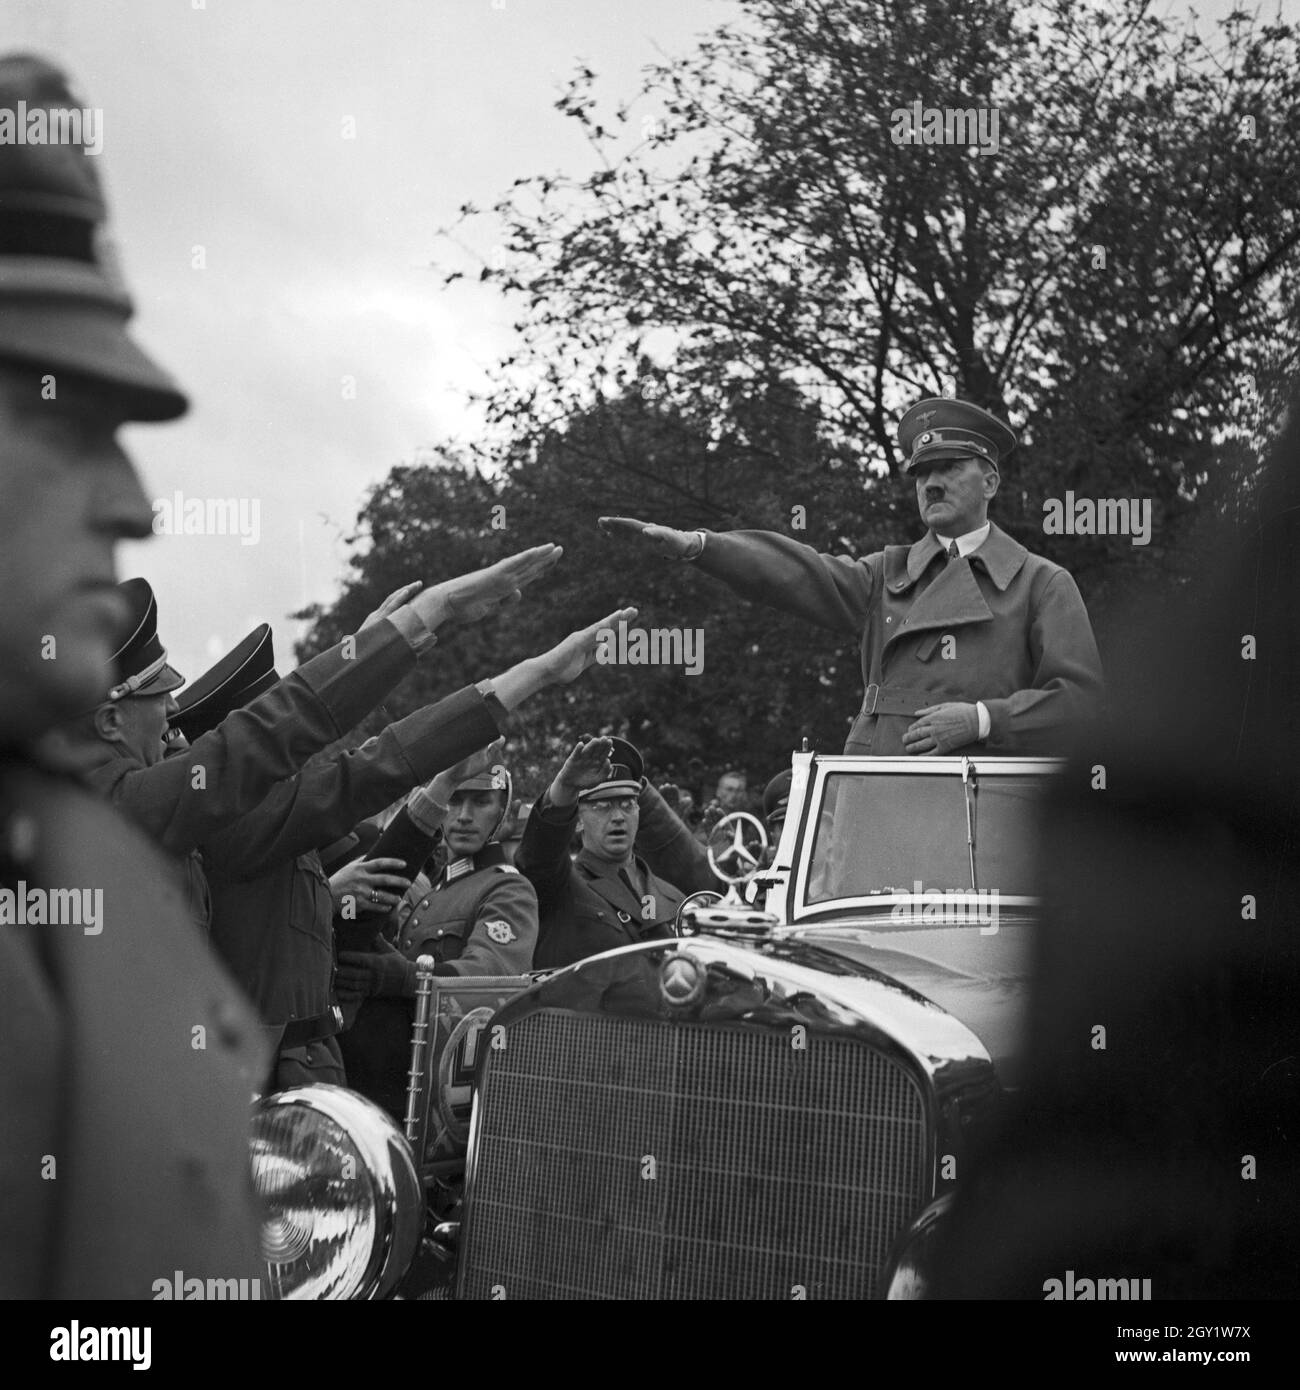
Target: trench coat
point(1001, 625)
point(128, 1059)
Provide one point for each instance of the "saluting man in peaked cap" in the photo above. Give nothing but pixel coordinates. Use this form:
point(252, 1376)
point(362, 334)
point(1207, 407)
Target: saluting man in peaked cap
point(610, 895)
point(968, 641)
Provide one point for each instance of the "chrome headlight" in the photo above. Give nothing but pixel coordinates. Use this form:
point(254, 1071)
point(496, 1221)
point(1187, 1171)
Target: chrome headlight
point(343, 1206)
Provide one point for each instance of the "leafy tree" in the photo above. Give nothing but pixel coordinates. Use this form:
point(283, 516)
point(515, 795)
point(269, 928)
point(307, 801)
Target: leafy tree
point(1113, 277)
point(765, 683)
point(720, 326)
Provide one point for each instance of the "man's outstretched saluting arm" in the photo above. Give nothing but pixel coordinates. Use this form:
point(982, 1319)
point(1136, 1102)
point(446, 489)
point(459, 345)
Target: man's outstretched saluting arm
point(969, 642)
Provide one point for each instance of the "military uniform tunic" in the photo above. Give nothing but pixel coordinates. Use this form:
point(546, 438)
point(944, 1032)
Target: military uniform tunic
point(479, 917)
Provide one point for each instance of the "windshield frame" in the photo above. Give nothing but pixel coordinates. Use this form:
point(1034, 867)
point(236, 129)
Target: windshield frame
point(881, 905)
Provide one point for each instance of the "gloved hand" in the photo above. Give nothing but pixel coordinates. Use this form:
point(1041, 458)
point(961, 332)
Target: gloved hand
point(374, 974)
point(942, 728)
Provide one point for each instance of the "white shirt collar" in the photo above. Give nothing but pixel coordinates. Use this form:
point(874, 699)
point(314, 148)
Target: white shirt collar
point(968, 543)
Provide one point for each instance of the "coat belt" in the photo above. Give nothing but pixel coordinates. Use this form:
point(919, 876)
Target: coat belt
point(894, 699)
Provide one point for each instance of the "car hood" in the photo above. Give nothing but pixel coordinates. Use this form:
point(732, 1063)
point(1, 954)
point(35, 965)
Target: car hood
point(982, 979)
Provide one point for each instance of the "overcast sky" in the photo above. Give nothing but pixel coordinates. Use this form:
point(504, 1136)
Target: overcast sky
point(224, 126)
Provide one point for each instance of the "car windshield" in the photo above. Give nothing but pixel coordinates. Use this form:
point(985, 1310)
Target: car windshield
point(880, 833)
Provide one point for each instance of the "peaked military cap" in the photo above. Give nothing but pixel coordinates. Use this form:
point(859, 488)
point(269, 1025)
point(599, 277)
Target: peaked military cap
point(939, 428)
point(776, 795)
point(495, 779)
point(627, 778)
point(245, 671)
point(63, 305)
point(140, 662)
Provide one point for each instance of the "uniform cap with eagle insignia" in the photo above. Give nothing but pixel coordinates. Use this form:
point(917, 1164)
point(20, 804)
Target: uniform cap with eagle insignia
point(938, 428)
point(494, 779)
point(627, 775)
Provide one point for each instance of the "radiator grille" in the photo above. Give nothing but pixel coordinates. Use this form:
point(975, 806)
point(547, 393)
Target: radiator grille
point(630, 1158)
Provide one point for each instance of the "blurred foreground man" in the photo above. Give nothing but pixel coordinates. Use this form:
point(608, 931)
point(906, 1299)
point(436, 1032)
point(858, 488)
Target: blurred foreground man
point(969, 642)
point(126, 1055)
point(1155, 1137)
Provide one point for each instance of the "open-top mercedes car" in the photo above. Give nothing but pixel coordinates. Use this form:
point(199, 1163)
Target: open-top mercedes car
point(776, 1103)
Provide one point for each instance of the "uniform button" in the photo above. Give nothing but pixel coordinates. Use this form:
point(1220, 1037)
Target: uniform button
point(425, 903)
point(437, 933)
point(889, 620)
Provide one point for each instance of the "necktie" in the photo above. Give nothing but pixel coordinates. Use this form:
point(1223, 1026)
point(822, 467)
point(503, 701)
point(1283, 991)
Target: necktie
point(953, 552)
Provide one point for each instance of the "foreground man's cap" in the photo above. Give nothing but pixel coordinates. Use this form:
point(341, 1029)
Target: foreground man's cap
point(939, 428)
point(627, 778)
point(140, 662)
point(245, 671)
point(63, 306)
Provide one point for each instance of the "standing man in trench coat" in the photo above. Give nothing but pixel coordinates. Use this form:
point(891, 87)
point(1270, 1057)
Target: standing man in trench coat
point(969, 641)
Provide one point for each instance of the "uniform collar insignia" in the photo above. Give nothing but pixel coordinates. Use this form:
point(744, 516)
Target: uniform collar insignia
point(457, 868)
point(492, 853)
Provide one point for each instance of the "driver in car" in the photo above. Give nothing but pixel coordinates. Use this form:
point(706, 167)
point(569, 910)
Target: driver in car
point(608, 896)
point(968, 641)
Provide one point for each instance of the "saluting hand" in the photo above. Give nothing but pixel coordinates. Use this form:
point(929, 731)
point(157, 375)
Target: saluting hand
point(940, 729)
point(588, 765)
point(442, 786)
point(392, 603)
point(469, 598)
point(567, 660)
point(677, 545)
